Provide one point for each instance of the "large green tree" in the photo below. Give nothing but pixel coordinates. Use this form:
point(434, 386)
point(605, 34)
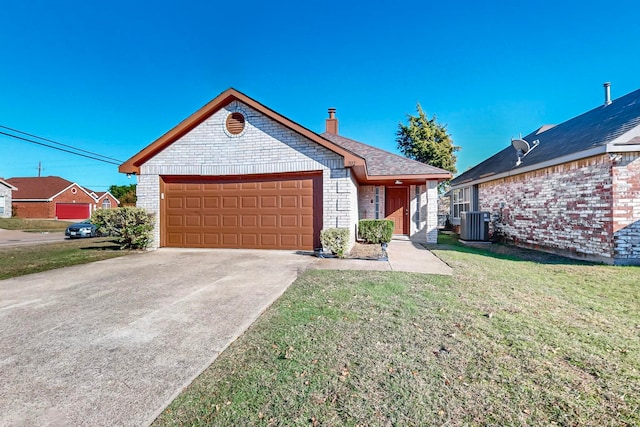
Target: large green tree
point(427, 141)
point(124, 193)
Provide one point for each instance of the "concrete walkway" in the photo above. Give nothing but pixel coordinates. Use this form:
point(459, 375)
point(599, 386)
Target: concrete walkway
point(404, 255)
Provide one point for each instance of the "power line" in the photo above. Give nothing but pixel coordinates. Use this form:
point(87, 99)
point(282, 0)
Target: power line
point(55, 142)
point(62, 149)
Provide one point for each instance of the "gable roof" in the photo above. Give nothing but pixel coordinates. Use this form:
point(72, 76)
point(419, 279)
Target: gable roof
point(603, 129)
point(225, 98)
point(383, 164)
point(368, 163)
point(40, 188)
point(103, 194)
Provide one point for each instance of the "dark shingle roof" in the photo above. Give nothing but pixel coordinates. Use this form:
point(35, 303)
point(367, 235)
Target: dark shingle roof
point(594, 128)
point(383, 163)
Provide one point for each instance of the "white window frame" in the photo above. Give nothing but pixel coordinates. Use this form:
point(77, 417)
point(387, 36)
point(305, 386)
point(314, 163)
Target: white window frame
point(460, 202)
point(106, 204)
point(2, 202)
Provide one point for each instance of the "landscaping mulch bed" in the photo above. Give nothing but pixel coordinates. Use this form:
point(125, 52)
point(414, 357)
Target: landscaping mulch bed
point(367, 251)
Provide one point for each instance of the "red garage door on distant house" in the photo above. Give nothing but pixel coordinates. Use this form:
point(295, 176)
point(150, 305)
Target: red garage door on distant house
point(72, 210)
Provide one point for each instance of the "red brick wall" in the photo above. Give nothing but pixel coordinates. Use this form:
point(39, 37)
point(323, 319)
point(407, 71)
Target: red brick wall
point(31, 209)
point(566, 209)
point(48, 209)
point(626, 207)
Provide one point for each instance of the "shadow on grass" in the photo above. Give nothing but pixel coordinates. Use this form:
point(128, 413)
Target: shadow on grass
point(104, 244)
point(449, 242)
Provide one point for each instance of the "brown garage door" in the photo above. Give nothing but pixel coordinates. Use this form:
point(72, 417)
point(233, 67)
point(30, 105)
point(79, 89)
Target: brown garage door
point(266, 212)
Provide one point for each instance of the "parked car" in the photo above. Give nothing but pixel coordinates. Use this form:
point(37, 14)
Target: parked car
point(81, 229)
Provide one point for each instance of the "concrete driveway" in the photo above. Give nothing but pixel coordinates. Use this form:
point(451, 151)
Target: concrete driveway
point(113, 342)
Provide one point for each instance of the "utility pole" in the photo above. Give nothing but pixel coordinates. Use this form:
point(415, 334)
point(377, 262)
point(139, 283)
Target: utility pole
point(40, 168)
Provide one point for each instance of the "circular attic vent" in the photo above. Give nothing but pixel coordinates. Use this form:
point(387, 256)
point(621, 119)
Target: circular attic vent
point(235, 123)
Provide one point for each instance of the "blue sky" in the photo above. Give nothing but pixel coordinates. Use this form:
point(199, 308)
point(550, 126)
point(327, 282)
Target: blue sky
point(111, 77)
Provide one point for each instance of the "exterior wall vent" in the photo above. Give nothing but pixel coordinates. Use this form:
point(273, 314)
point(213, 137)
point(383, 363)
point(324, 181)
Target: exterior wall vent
point(474, 226)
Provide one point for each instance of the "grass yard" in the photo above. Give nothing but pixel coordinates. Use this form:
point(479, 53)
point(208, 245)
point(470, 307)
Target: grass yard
point(20, 260)
point(511, 339)
point(38, 225)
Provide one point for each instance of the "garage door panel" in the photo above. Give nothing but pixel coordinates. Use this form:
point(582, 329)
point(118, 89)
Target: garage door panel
point(230, 202)
point(268, 201)
point(288, 220)
point(193, 220)
point(211, 240)
point(211, 220)
point(249, 221)
point(193, 239)
point(289, 202)
point(229, 240)
point(268, 212)
point(210, 202)
point(268, 220)
point(175, 203)
point(249, 202)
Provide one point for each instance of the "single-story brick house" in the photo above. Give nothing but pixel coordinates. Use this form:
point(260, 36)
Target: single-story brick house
point(5, 198)
point(572, 189)
point(52, 197)
point(104, 200)
point(236, 174)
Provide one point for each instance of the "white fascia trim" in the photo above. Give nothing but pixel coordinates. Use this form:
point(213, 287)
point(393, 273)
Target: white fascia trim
point(77, 185)
point(601, 149)
point(31, 200)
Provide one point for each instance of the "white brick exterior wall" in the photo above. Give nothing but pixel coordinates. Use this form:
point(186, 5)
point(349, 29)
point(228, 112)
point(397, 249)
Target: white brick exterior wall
point(423, 209)
point(5, 199)
point(264, 147)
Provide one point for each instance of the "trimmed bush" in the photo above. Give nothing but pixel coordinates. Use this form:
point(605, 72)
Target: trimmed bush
point(336, 240)
point(375, 230)
point(130, 226)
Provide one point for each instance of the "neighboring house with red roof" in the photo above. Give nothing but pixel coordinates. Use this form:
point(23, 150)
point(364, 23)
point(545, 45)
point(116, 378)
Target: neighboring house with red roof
point(52, 197)
point(572, 189)
point(236, 174)
point(6, 190)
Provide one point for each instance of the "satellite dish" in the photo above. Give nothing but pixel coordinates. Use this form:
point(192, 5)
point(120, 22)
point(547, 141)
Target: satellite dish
point(521, 145)
point(522, 148)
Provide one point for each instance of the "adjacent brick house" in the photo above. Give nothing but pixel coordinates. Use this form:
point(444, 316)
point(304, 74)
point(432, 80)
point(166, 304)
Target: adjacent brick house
point(576, 191)
point(237, 174)
point(6, 190)
point(52, 197)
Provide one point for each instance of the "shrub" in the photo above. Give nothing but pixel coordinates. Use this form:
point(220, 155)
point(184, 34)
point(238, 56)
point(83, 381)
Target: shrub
point(336, 240)
point(131, 226)
point(375, 230)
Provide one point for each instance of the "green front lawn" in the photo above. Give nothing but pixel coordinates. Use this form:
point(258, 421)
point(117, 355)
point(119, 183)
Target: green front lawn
point(26, 259)
point(33, 224)
point(511, 339)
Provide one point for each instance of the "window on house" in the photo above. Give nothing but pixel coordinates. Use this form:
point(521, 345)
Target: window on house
point(377, 202)
point(106, 204)
point(1, 205)
point(461, 201)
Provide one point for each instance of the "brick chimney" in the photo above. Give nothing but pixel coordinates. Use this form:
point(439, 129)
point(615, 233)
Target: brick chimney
point(332, 122)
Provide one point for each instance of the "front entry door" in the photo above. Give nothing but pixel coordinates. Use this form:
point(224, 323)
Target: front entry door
point(396, 208)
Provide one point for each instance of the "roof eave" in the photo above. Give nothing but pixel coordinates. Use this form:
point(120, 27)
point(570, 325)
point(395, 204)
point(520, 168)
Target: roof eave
point(601, 149)
point(132, 166)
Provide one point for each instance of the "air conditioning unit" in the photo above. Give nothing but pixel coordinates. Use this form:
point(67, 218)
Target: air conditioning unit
point(474, 226)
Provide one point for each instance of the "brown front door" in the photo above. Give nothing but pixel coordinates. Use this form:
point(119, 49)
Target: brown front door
point(396, 208)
